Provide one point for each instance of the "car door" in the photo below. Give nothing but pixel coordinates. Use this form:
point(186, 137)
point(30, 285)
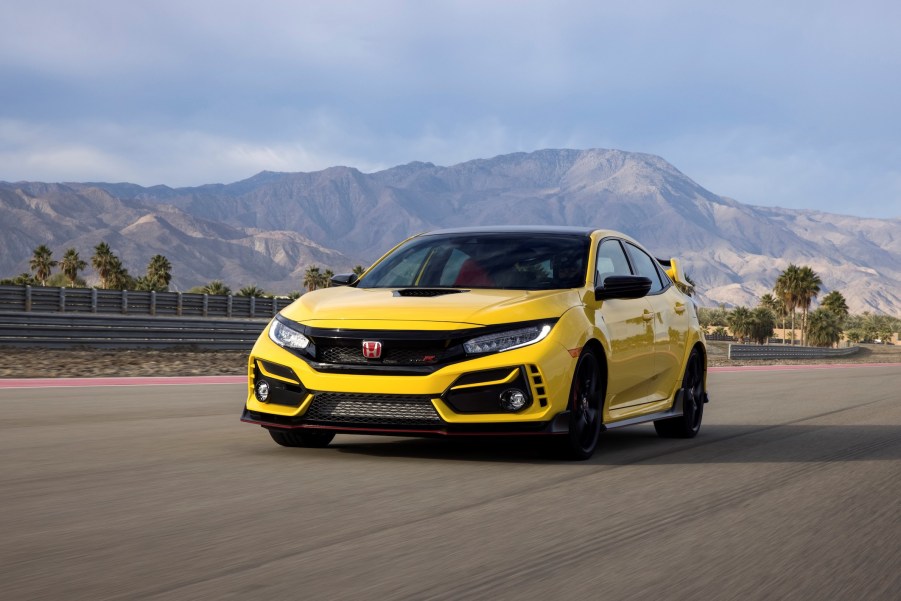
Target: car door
point(629, 324)
point(670, 319)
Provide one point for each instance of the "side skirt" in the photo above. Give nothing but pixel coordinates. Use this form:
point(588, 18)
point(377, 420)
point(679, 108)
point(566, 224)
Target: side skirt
point(674, 411)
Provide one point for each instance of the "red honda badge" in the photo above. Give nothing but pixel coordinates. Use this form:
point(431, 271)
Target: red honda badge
point(372, 349)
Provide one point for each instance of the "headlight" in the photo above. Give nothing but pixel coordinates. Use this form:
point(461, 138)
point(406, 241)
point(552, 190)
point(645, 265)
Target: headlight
point(505, 341)
point(283, 335)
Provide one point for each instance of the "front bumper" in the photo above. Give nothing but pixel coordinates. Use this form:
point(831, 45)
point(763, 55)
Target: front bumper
point(460, 398)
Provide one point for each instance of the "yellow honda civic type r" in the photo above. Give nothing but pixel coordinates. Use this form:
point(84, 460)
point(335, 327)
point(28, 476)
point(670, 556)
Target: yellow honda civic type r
point(555, 331)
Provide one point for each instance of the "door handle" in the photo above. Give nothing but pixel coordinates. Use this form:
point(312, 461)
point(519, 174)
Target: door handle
point(680, 308)
point(647, 315)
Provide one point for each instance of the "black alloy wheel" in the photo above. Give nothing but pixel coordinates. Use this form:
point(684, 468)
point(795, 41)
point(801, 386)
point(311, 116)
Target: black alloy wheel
point(586, 405)
point(302, 438)
point(688, 424)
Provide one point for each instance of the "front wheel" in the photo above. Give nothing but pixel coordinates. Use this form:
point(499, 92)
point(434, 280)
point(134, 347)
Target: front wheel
point(586, 404)
point(688, 424)
point(302, 438)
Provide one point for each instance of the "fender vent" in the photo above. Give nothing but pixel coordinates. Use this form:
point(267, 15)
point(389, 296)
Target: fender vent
point(538, 383)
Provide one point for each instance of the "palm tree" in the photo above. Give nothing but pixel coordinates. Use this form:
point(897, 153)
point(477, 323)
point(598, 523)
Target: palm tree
point(312, 278)
point(23, 279)
point(769, 301)
point(159, 273)
point(787, 290)
point(358, 270)
point(777, 306)
point(217, 287)
point(103, 261)
point(762, 322)
point(252, 291)
point(824, 328)
point(808, 288)
point(835, 302)
point(326, 278)
point(688, 286)
point(781, 313)
point(71, 265)
point(118, 277)
point(740, 322)
point(42, 263)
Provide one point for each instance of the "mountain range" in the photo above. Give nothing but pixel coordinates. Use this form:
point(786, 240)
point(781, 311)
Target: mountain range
point(266, 230)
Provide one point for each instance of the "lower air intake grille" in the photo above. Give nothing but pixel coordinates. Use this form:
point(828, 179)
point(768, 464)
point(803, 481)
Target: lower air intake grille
point(373, 409)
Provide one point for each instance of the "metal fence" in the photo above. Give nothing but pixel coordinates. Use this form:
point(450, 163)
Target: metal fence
point(55, 330)
point(767, 351)
point(131, 302)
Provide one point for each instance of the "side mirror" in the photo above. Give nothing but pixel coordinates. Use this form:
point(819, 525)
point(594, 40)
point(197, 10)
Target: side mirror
point(343, 279)
point(623, 286)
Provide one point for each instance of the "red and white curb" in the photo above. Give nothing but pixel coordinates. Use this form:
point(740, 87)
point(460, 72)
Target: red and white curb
point(121, 381)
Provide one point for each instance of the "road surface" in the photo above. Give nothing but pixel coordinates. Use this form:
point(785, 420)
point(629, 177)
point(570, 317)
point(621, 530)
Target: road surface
point(791, 491)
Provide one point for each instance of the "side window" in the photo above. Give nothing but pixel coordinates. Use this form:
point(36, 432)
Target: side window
point(611, 261)
point(663, 275)
point(644, 266)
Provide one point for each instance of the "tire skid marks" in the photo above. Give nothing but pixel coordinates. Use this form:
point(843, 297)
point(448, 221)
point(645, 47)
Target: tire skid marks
point(538, 566)
point(494, 581)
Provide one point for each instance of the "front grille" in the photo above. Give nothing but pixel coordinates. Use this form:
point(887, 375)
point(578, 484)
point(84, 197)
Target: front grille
point(397, 355)
point(373, 409)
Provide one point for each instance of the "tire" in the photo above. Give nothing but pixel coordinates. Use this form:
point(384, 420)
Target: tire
point(586, 403)
point(688, 424)
point(302, 438)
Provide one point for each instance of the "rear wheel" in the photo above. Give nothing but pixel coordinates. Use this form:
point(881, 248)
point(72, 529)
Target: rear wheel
point(302, 438)
point(688, 424)
point(585, 403)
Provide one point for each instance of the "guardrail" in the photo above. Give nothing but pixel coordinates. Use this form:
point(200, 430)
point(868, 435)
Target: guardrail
point(132, 302)
point(54, 330)
point(769, 351)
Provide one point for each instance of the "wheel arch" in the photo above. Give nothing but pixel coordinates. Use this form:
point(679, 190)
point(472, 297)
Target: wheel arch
point(594, 345)
point(701, 348)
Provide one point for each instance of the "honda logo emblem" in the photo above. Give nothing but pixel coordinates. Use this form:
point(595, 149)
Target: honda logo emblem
point(372, 349)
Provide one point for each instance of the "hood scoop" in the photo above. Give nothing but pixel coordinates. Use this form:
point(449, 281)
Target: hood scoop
point(427, 291)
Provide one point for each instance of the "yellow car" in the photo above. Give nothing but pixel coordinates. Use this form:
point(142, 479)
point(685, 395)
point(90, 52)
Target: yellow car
point(555, 331)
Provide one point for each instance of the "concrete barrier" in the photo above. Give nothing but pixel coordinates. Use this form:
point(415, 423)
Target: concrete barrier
point(778, 351)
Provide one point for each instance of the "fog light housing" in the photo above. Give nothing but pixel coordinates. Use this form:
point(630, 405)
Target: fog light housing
point(513, 399)
point(261, 390)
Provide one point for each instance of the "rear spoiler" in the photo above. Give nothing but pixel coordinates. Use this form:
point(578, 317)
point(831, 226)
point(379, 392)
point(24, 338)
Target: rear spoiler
point(674, 270)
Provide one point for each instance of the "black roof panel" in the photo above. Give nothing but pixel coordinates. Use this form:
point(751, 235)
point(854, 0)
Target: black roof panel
point(517, 229)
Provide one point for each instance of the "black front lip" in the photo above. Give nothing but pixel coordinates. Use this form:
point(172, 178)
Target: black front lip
point(557, 426)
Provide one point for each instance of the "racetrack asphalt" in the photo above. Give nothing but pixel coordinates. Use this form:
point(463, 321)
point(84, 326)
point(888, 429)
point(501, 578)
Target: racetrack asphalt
point(791, 491)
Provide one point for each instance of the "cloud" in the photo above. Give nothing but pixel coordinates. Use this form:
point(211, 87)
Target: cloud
point(782, 102)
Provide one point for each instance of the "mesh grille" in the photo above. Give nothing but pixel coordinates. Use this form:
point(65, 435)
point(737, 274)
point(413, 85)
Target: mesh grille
point(353, 355)
point(375, 409)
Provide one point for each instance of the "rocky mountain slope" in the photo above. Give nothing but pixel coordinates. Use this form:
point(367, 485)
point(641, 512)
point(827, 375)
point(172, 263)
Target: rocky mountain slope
point(79, 216)
point(268, 228)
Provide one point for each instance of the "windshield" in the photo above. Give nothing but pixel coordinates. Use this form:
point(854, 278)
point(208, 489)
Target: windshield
point(519, 261)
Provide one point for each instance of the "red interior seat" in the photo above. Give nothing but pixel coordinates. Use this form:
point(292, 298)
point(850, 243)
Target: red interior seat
point(472, 274)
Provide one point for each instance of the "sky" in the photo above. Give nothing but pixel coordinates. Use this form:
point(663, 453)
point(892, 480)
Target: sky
point(792, 104)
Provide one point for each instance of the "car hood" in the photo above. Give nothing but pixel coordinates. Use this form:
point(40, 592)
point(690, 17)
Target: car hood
point(383, 308)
